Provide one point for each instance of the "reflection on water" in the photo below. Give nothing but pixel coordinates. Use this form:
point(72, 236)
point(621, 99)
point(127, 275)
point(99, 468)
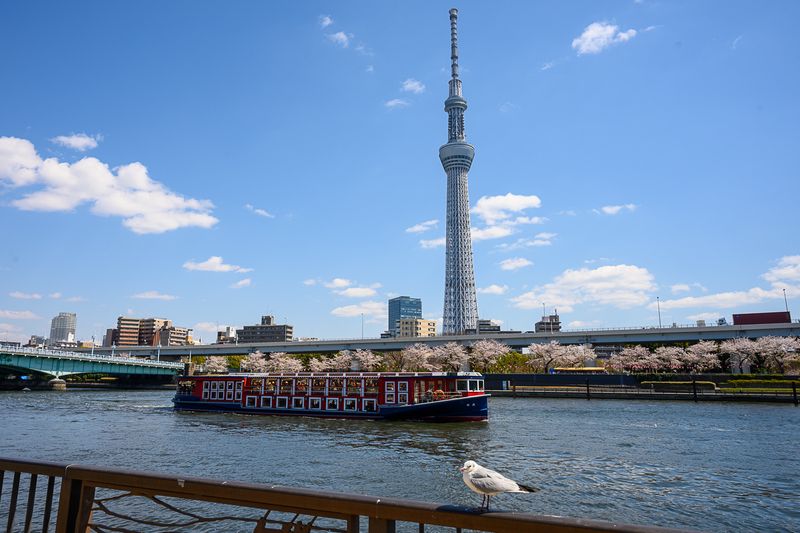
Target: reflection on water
point(706, 466)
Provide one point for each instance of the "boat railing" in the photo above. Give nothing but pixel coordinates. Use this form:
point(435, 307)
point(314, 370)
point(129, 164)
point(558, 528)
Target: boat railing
point(77, 498)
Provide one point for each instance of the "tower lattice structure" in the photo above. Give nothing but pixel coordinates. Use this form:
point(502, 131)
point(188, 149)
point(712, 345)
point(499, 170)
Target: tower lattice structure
point(460, 301)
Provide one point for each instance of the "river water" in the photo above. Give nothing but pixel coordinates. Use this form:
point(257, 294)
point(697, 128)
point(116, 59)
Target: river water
point(708, 466)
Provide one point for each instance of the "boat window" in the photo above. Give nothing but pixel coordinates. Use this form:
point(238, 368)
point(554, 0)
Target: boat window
point(298, 403)
point(390, 386)
point(256, 385)
point(281, 402)
point(251, 401)
point(237, 395)
point(389, 397)
point(229, 395)
point(286, 386)
point(205, 385)
point(301, 387)
point(402, 397)
point(185, 387)
point(315, 403)
point(213, 385)
point(371, 386)
point(461, 384)
point(402, 386)
point(473, 384)
point(266, 401)
point(318, 385)
point(350, 404)
point(230, 385)
point(335, 386)
point(205, 394)
point(354, 387)
point(368, 405)
point(269, 385)
point(332, 404)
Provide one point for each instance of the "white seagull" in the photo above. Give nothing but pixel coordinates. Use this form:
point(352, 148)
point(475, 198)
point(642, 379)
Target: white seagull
point(488, 483)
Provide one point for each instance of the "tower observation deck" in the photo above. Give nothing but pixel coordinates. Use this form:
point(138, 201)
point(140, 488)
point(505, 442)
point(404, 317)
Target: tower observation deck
point(460, 302)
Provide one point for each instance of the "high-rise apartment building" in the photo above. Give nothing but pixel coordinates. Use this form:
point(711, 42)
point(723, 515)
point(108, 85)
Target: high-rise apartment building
point(146, 332)
point(62, 328)
point(402, 307)
point(127, 333)
point(460, 300)
point(267, 331)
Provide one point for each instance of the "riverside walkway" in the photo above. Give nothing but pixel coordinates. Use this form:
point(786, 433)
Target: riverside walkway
point(59, 363)
point(78, 498)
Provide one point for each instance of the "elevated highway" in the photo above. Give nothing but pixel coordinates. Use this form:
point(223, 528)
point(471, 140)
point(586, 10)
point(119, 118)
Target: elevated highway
point(595, 337)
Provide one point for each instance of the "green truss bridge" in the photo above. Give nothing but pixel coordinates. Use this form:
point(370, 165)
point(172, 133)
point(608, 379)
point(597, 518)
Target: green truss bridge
point(58, 363)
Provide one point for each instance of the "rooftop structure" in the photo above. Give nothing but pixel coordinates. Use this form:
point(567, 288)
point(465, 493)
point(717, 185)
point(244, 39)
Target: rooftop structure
point(62, 327)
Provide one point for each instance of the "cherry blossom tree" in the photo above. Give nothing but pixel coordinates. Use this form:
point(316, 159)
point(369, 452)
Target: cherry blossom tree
point(575, 355)
point(254, 362)
point(367, 360)
point(320, 364)
point(631, 359)
point(283, 362)
point(451, 357)
point(484, 353)
point(542, 357)
point(216, 365)
point(741, 351)
point(776, 352)
point(702, 357)
point(672, 358)
point(417, 357)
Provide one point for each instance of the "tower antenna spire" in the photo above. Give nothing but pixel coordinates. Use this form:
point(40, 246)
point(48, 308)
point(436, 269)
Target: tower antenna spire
point(454, 42)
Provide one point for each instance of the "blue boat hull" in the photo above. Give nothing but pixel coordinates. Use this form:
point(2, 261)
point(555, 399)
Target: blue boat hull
point(471, 408)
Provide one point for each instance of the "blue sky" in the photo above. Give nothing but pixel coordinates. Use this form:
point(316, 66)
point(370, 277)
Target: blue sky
point(210, 162)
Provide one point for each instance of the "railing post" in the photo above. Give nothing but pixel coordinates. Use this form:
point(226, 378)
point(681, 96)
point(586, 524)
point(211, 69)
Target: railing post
point(794, 392)
point(588, 395)
point(381, 525)
point(74, 505)
point(694, 389)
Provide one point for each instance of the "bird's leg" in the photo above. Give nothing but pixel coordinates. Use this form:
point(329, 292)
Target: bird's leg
point(483, 501)
point(488, 498)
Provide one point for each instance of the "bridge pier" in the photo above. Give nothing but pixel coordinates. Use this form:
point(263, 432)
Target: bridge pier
point(57, 384)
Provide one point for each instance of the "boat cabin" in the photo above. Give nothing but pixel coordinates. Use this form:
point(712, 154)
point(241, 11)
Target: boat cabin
point(344, 393)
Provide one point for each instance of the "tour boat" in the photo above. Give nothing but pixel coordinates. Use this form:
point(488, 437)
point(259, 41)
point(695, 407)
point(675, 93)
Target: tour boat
point(428, 396)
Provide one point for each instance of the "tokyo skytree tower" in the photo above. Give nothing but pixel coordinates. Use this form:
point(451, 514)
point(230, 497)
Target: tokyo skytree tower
point(460, 302)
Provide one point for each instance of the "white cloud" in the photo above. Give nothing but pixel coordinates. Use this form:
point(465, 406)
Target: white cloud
point(494, 289)
point(208, 327)
point(708, 317)
point(546, 235)
point(514, 263)
point(340, 38)
point(127, 191)
point(786, 275)
point(507, 107)
point(579, 324)
point(413, 86)
point(598, 36)
point(154, 295)
point(259, 212)
point(614, 209)
point(736, 42)
point(338, 283)
point(25, 295)
point(325, 21)
point(214, 264)
point(495, 209)
point(369, 68)
point(55, 295)
point(396, 103)
point(12, 333)
point(76, 299)
point(679, 287)
point(490, 232)
point(433, 243)
point(242, 283)
point(422, 226)
point(621, 286)
point(357, 292)
point(309, 282)
point(548, 65)
point(788, 269)
point(18, 315)
point(80, 141)
point(568, 213)
point(369, 308)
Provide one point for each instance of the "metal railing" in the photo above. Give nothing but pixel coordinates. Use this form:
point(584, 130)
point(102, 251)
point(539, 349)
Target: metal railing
point(117, 359)
point(101, 500)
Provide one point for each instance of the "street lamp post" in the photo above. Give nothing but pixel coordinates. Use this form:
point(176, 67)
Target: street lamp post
point(785, 301)
point(658, 304)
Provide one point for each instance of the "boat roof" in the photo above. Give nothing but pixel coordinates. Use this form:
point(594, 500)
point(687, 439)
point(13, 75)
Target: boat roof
point(342, 375)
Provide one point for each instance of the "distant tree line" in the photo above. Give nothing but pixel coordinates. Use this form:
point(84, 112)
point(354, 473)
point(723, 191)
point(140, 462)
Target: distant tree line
point(766, 354)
